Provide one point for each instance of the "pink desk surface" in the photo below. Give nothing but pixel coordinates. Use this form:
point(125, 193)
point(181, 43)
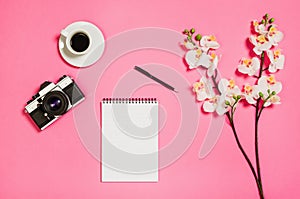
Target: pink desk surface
point(55, 163)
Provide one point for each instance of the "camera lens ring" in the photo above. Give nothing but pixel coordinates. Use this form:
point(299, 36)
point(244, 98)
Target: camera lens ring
point(55, 103)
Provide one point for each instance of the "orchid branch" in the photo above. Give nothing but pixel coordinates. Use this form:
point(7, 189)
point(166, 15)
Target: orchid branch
point(257, 114)
point(223, 96)
point(241, 148)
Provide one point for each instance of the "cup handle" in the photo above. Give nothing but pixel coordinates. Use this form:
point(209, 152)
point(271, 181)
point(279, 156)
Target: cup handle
point(64, 33)
point(61, 44)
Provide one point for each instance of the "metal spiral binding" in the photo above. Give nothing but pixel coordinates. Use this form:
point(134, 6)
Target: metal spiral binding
point(129, 100)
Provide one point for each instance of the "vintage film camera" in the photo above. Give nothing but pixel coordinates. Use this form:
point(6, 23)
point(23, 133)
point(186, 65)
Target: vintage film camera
point(53, 100)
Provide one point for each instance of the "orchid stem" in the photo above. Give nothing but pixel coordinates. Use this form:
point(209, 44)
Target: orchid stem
point(257, 116)
point(258, 112)
point(259, 186)
point(230, 118)
point(262, 61)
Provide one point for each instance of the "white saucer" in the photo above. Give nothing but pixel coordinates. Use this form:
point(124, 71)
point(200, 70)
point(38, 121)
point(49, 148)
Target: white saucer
point(97, 45)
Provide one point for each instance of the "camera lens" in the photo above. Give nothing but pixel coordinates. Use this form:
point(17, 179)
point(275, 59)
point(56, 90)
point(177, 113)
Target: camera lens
point(55, 103)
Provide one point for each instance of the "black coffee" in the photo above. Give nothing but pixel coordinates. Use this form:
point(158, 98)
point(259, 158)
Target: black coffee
point(80, 42)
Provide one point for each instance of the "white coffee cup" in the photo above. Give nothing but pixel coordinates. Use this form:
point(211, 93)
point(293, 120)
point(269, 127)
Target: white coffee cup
point(77, 42)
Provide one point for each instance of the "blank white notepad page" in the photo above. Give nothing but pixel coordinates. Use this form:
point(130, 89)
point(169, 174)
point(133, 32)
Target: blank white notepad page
point(129, 141)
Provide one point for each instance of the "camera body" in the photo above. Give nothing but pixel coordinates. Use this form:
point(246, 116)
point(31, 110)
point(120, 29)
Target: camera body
point(53, 100)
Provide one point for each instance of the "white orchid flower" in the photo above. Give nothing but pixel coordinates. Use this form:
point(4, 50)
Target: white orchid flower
point(261, 43)
point(210, 105)
point(275, 99)
point(203, 89)
point(269, 88)
point(222, 108)
point(196, 58)
point(249, 66)
point(209, 42)
point(268, 83)
point(228, 87)
point(250, 93)
point(259, 28)
point(229, 91)
point(214, 60)
point(274, 36)
point(276, 59)
point(215, 104)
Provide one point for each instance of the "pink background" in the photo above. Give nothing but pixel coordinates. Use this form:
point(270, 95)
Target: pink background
point(54, 163)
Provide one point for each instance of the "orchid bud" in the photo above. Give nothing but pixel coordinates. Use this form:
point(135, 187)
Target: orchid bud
point(271, 20)
point(273, 93)
point(185, 31)
point(239, 97)
point(261, 94)
point(227, 103)
point(198, 37)
point(192, 30)
point(267, 16)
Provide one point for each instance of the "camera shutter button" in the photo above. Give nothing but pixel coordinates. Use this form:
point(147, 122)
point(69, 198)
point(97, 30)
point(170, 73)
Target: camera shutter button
point(29, 101)
point(35, 96)
point(63, 77)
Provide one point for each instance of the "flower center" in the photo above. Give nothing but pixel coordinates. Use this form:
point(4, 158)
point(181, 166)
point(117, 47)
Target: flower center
point(231, 84)
point(213, 56)
point(271, 79)
point(213, 100)
point(212, 38)
point(248, 89)
point(274, 99)
point(255, 23)
point(199, 53)
point(261, 39)
point(247, 62)
point(198, 85)
point(272, 31)
point(277, 53)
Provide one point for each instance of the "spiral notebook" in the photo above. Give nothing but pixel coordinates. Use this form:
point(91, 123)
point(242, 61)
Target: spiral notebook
point(129, 141)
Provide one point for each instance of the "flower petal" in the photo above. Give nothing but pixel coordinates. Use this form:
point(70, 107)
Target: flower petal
point(221, 107)
point(262, 81)
point(250, 100)
point(255, 63)
point(266, 46)
point(280, 62)
point(243, 69)
point(272, 68)
point(252, 39)
point(201, 95)
point(223, 84)
point(277, 87)
point(266, 104)
point(277, 38)
point(207, 43)
point(257, 50)
point(209, 107)
point(204, 60)
point(270, 55)
point(191, 59)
